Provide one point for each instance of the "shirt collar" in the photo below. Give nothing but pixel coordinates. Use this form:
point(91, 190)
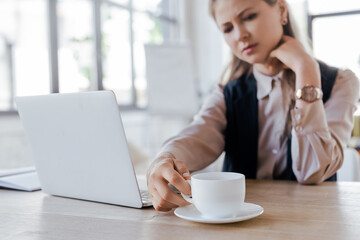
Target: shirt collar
point(264, 83)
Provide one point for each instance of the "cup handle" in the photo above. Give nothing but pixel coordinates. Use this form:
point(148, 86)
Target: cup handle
point(186, 197)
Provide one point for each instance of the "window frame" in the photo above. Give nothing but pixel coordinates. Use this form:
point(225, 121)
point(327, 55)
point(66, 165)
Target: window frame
point(312, 17)
point(96, 25)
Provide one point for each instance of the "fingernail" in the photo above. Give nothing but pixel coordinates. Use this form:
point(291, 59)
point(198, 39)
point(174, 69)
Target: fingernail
point(186, 174)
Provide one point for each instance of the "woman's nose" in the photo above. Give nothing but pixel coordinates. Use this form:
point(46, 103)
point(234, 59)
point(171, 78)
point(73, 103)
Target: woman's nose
point(241, 33)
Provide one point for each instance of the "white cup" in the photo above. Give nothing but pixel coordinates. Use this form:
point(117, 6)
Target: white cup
point(217, 194)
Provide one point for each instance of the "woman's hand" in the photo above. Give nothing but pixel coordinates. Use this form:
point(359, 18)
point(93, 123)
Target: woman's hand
point(292, 55)
point(166, 169)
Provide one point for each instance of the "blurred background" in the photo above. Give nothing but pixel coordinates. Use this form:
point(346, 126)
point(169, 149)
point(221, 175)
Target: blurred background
point(160, 57)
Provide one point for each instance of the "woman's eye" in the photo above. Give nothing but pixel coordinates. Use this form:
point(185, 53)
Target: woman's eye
point(227, 30)
point(250, 17)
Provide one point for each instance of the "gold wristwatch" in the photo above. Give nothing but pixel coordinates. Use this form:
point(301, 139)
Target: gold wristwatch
point(309, 93)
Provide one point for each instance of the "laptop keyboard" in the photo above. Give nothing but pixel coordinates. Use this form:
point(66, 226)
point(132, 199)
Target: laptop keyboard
point(145, 196)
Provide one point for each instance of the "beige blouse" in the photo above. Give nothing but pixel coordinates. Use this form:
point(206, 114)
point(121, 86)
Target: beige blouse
point(319, 131)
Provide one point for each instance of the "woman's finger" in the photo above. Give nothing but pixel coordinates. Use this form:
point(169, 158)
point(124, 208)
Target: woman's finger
point(172, 176)
point(169, 195)
point(182, 169)
point(161, 204)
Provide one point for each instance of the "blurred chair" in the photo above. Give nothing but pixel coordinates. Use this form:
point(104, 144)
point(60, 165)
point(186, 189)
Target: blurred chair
point(350, 170)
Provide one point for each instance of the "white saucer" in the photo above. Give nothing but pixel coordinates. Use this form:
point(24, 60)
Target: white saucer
point(248, 210)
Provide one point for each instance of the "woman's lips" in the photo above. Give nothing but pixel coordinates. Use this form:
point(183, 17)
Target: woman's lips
point(249, 49)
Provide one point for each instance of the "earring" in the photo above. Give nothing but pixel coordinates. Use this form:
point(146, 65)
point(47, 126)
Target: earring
point(284, 21)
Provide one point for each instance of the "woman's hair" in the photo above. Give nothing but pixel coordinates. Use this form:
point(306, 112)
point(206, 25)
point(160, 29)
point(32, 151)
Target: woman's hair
point(237, 67)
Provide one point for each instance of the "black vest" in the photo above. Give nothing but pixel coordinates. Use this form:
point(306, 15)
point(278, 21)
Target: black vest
point(241, 135)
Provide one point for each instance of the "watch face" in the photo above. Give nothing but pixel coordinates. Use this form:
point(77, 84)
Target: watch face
point(309, 93)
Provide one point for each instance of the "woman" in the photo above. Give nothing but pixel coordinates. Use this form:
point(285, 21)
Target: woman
point(280, 115)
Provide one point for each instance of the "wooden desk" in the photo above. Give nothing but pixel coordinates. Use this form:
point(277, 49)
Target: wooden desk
point(292, 211)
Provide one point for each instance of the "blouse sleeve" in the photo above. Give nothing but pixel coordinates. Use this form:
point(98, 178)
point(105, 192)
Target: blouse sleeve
point(203, 141)
point(321, 131)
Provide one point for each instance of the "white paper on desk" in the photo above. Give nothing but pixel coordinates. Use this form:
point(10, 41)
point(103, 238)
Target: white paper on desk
point(9, 172)
point(24, 181)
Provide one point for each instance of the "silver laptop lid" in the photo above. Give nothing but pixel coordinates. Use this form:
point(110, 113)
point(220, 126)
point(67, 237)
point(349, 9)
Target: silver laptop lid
point(79, 146)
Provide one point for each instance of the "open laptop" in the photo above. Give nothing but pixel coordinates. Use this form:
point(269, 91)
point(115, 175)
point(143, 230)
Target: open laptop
point(79, 147)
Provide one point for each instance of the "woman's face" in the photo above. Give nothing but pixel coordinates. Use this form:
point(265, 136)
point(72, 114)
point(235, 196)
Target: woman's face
point(252, 28)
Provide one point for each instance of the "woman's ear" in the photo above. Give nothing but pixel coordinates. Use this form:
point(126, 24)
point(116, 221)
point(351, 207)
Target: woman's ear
point(283, 12)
